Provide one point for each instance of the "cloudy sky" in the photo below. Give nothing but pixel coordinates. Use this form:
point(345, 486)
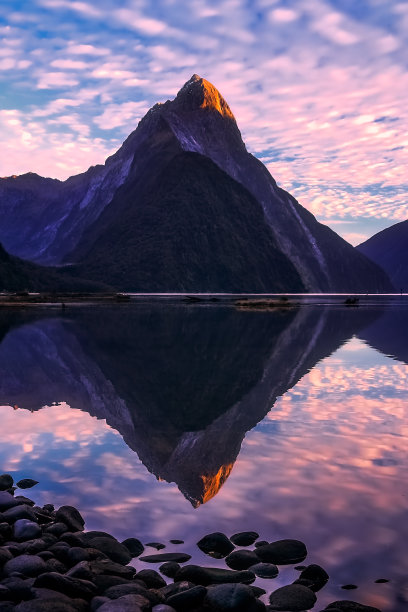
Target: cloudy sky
point(318, 88)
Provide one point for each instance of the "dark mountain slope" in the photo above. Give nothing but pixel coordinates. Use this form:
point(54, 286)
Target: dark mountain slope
point(189, 228)
point(19, 275)
point(389, 249)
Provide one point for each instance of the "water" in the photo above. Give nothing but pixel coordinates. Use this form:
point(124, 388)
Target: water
point(163, 420)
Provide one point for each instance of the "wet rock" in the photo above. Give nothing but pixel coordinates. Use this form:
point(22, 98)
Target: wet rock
point(6, 481)
point(169, 569)
point(134, 546)
point(151, 578)
point(21, 511)
point(25, 529)
point(71, 517)
point(231, 598)
point(349, 606)
point(112, 549)
point(265, 570)
point(26, 483)
point(73, 587)
point(282, 552)
point(216, 543)
point(241, 559)
point(292, 598)
point(314, 577)
point(156, 545)
point(244, 538)
point(159, 558)
point(28, 565)
point(187, 600)
point(212, 575)
point(128, 603)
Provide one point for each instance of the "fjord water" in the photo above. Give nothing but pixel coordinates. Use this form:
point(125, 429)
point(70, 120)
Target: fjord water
point(163, 420)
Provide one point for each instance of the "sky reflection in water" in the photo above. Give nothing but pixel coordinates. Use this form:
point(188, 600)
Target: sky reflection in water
point(326, 465)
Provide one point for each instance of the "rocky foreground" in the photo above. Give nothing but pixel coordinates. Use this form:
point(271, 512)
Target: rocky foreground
point(49, 563)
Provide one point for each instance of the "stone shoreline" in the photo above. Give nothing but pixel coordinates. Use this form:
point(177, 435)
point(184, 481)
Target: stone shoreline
point(48, 562)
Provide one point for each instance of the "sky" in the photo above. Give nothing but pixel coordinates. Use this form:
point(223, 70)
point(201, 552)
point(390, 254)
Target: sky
point(318, 88)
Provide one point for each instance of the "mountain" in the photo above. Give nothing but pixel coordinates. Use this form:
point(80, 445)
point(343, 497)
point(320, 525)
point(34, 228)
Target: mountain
point(19, 275)
point(389, 249)
point(182, 206)
point(181, 384)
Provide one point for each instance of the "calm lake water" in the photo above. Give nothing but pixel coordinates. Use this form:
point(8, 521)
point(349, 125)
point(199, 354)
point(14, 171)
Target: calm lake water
point(164, 421)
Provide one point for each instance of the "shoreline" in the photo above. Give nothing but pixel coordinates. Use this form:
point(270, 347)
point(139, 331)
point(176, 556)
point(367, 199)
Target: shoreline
point(49, 562)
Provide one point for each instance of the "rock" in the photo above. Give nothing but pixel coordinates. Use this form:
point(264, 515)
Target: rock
point(244, 538)
point(28, 565)
point(47, 605)
point(134, 546)
point(106, 566)
point(177, 541)
point(169, 569)
point(81, 570)
point(104, 581)
point(151, 578)
point(349, 587)
point(187, 600)
point(26, 483)
point(265, 570)
point(24, 500)
point(6, 481)
point(97, 602)
point(112, 549)
point(74, 539)
point(71, 517)
point(177, 557)
point(241, 559)
point(216, 543)
point(5, 555)
point(119, 590)
point(156, 545)
point(282, 552)
point(314, 577)
point(73, 587)
point(163, 608)
point(87, 536)
point(19, 589)
point(128, 603)
point(261, 543)
point(26, 530)
point(349, 606)
point(257, 591)
point(22, 511)
point(292, 598)
point(7, 501)
point(56, 529)
point(231, 598)
point(381, 580)
point(212, 575)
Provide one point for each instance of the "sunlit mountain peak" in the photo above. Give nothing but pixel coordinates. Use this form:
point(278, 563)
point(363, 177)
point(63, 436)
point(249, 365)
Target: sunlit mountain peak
point(200, 93)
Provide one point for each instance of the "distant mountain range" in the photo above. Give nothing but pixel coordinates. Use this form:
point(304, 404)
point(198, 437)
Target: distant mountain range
point(181, 206)
point(389, 249)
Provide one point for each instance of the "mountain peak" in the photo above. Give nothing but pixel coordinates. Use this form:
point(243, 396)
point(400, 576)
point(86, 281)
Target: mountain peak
point(200, 93)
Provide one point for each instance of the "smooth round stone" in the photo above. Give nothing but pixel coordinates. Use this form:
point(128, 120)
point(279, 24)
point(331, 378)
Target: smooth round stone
point(6, 482)
point(188, 599)
point(292, 598)
point(127, 603)
point(314, 577)
point(349, 587)
point(134, 546)
point(162, 557)
point(241, 559)
point(151, 578)
point(5, 555)
point(230, 598)
point(26, 483)
point(265, 570)
point(73, 587)
point(56, 529)
point(25, 529)
point(120, 590)
point(212, 575)
point(71, 517)
point(216, 542)
point(244, 538)
point(261, 543)
point(349, 606)
point(163, 608)
point(176, 541)
point(169, 569)
point(46, 605)
point(28, 565)
point(156, 545)
point(282, 552)
point(112, 549)
point(22, 511)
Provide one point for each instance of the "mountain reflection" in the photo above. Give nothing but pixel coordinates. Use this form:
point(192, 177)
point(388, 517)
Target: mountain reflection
point(181, 384)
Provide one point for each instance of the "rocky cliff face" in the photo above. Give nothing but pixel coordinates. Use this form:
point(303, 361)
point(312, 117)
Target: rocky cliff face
point(74, 220)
